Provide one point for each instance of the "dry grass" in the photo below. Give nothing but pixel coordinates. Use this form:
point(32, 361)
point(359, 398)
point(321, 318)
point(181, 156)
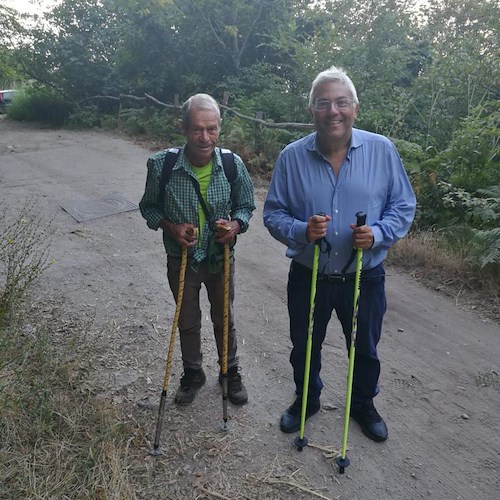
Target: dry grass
point(423, 256)
point(57, 440)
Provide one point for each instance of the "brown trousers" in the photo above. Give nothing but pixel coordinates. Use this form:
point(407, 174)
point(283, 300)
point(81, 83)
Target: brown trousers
point(190, 315)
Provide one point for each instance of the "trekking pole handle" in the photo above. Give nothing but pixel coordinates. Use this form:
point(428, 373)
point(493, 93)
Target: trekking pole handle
point(360, 219)
point(318, 242)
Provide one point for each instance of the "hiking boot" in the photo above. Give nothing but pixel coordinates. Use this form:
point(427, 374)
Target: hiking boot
point(236, 391)
point(191, 381)
point(290, 419)
point(371, 423)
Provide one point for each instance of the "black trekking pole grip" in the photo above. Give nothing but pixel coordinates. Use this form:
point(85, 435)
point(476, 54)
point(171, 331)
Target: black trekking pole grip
point(360, 219)
point(318, 241)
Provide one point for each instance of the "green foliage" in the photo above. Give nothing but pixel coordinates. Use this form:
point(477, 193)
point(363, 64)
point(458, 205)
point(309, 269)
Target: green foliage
point(257, 145)
point(485, 250)
point(151, 122)
point(85, 118)
point(426, 77)
point(257, 89)
point(463, 70)
point(472, 159)
point(40, 104)
point(481, 210)
point(71, 47)
point(449, 183)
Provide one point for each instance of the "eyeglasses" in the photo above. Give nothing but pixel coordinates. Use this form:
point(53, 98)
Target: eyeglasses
point(325, 104)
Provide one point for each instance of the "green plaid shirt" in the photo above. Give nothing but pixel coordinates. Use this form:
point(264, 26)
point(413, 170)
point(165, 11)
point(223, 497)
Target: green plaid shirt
point(225, 201)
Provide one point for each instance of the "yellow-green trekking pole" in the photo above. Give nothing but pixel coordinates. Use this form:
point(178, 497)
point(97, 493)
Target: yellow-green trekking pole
point(300, 440)
point(342, 461)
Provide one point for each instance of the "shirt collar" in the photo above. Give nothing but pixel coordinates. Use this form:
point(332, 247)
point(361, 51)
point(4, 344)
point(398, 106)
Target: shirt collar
point(356, 141)
point(187, 166)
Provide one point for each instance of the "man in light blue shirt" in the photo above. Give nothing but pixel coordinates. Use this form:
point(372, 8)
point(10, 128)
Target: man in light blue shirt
point(338, 171)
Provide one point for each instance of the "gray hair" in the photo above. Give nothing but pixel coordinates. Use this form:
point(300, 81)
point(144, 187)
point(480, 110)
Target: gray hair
point(198, 101)
point(332, 74)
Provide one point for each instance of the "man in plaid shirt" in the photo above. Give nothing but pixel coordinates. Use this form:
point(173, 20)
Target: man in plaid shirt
point(185, 224)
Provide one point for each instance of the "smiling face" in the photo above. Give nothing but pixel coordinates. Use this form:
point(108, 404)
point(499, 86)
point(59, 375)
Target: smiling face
point(333, 123)
point(202, 132)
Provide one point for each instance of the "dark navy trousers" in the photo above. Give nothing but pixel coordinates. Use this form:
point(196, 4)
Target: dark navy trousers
point(333, 294)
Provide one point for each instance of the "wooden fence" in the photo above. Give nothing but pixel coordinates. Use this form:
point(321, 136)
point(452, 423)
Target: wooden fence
point(176, 106)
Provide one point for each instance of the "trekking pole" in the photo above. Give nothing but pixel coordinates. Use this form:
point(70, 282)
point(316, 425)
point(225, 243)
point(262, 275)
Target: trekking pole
point(225, 335)
point(182, 274)
point(342, 461)
point(301, 441)
point(225, 328)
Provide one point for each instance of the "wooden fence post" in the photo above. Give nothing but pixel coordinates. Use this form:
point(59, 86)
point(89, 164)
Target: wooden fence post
point(119, 113)
point(225, 100)
point(258, 130)
point(176, 106)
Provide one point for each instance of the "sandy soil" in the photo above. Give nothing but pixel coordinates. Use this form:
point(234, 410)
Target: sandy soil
point(440, 364)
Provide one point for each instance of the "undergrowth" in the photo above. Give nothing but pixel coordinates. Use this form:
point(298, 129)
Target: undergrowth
point(57, 439)
point(441, 261)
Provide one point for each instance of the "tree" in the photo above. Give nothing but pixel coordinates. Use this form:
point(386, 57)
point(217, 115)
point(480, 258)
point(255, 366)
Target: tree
point(72, 47)
point(463, 71)
point(9, 26)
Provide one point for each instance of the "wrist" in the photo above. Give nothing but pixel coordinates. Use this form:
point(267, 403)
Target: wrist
point(165, 225)
point(240, 225)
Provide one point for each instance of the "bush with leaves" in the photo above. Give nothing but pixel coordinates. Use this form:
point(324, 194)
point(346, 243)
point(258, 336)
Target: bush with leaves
point(472, 159)
point(24, 255)
point(481, 211)
point(40, 104)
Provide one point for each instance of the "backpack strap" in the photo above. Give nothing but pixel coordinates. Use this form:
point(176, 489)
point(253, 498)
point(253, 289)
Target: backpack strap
point(168, 165)
point(229, 165)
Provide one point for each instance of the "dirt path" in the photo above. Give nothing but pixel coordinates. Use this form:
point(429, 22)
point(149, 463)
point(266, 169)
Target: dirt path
point(440, 365)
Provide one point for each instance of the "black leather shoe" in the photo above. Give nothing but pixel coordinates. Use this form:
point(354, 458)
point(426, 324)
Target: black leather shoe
point(290, 419)
point(371, 423)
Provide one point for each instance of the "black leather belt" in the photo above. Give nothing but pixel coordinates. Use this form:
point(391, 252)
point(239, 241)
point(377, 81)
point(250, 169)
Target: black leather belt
point(337, 278)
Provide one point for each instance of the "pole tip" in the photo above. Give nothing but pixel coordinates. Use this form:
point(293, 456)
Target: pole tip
point(342, 463)
point(300, 443)
point(224, 427)
point(155, 452)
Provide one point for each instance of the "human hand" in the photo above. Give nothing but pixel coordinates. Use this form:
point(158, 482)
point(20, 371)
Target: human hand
point(317, 226)
point(226, 230)
point(186, 235)
point(362, 236)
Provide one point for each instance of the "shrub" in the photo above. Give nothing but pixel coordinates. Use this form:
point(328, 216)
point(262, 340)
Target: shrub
point(41, 105)
point(24, 250)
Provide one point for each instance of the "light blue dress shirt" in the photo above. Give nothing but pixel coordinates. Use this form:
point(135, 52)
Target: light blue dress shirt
point(372, 179)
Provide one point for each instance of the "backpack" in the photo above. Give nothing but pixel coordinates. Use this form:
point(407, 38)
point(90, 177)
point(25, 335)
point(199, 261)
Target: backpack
point(171, 157)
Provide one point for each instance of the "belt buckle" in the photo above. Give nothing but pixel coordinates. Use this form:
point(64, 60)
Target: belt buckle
point(336, 278)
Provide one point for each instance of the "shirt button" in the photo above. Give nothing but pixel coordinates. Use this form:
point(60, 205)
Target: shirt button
point(336, 211)
point(336, 233)
point(336, 253)
point(336, 271)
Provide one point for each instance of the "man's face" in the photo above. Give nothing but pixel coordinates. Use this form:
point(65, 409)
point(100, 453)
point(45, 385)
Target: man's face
point(202, 134)
point(333, 119)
